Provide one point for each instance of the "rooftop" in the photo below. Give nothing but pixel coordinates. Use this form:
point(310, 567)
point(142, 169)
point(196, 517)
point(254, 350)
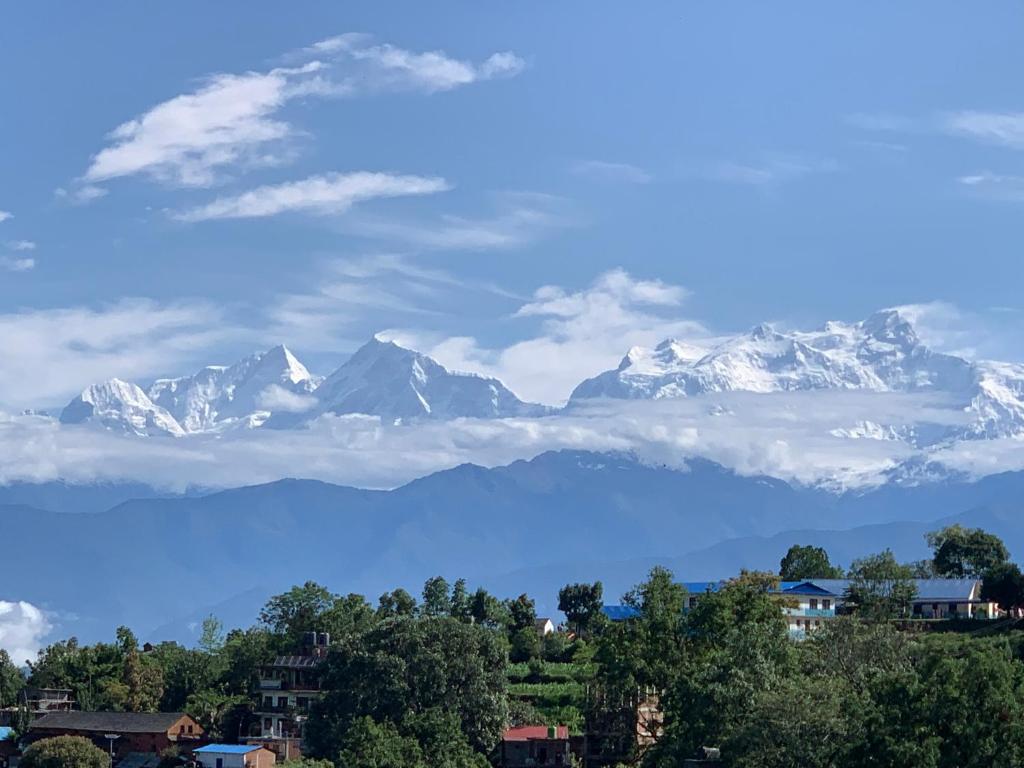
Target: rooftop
point(228, 749)
point(110, 722)
point(534, 732)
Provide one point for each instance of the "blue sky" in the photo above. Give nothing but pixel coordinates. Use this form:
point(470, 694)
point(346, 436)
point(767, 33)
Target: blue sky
point(750, 161)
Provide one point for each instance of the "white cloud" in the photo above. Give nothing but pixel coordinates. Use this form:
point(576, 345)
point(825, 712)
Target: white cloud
point(614, 173)
point(5, 215)
point(773, 170)
point(995, 186)
point(82, 194)
point(17, 265)
point(21, 245)
point(785, 435)
point(232, 120)
point(387, 66)
point(276, 398)
point(582, 333)
point(328, 194)
point(1004, 128)
point(22, 629)
point(51, 354)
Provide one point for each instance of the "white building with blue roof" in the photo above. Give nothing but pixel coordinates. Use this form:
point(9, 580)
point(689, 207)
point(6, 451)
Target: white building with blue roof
point(234, 756)
point(813, 602)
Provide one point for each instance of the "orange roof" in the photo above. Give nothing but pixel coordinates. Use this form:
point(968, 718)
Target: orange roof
point(534, 732)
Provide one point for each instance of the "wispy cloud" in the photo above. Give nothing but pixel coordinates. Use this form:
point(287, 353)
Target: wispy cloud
point(519, 218)
point(386, 66)
point(81, 195)
point(1002, 128)
point(351, 294)
point(64, 350)
point(21, 245)
point(612, 173)
point(328, 194)
point(23, 264)
point(995, 186)
point(233, 120)
point(772, 170)
point(5, 215)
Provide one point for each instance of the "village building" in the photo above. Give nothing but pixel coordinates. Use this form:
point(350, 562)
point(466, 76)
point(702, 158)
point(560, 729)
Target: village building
point(288, 687)
point(121, 733)
point(234, 756)
point(535, 745)
point(544, 625)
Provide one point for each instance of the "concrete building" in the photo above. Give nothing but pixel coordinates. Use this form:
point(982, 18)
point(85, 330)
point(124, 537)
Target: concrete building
point(535, 746)
point(121, 732)
point(234, 756)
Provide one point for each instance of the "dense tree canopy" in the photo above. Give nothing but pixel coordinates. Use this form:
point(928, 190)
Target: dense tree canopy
point(961, 552)
point(807, 562)
point(581, 604)
point(64, 752)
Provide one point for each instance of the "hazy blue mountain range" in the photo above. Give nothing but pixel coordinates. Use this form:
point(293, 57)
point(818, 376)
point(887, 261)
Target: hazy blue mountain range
point(163, 563)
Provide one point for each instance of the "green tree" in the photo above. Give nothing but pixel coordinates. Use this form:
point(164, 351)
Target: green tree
point(487, 610)
point(64, 752)
point(461, 601)
point(408, 666)
point(397, 603)
point(880, 588)
point(211, 637)
point(807, 562)
point(1004, 584)
point(436, 601)
point(522, 613)
point(738, 647)
point(142, 678)
point(965, 552)
point(369, 744)
point(581, 604)
point(774, 732)
point(11, 680)
point(297, 611)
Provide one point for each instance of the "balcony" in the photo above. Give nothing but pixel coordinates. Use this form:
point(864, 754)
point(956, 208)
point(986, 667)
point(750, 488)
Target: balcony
point(814, 613)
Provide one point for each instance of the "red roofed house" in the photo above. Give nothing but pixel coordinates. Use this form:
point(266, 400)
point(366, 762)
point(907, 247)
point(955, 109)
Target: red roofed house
point(535, 745)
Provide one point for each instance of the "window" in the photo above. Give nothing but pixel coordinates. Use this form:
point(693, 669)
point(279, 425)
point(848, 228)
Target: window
point(814, 603)
point(282, 701)
point(220, 762)
point(268, 701)
point(826, 604)
point(268, 724)
point(190, 729)
point(181, 729)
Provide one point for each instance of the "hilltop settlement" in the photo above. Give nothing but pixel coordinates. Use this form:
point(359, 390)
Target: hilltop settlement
point(879, 664)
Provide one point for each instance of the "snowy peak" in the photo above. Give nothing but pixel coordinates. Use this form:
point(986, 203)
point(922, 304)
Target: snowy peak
point(882, 353)
point(387, 380)
point(120, 406)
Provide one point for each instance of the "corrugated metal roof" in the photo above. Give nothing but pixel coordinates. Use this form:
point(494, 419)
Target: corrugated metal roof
point(699, 587)
point(927, 589)
point(619, 612)
point(534, 732)
point(111, 722)
point(297, 662)
point(228, 749)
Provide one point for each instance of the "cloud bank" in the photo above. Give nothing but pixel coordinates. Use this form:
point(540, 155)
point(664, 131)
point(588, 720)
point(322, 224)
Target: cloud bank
point(22, 629)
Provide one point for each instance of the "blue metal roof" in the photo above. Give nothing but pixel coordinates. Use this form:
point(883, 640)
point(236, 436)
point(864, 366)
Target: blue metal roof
point(700, 587)
point(619, 612)
point(228, 749)
point(805, 588)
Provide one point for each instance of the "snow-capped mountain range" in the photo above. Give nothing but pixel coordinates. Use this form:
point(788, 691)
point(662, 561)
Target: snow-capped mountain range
point(880, 354)
point(274, 388)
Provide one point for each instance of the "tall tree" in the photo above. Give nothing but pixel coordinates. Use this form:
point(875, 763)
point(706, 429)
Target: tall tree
point(397, 603)
point(581, 604)
point(880, 587)
point(807, 562)
point(297, 611)
point(11, 680)
point(436, 601)
point(966, 552)
point(1004, 584)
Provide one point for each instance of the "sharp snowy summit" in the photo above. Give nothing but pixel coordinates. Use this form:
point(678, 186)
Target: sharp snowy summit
point(387, 380)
